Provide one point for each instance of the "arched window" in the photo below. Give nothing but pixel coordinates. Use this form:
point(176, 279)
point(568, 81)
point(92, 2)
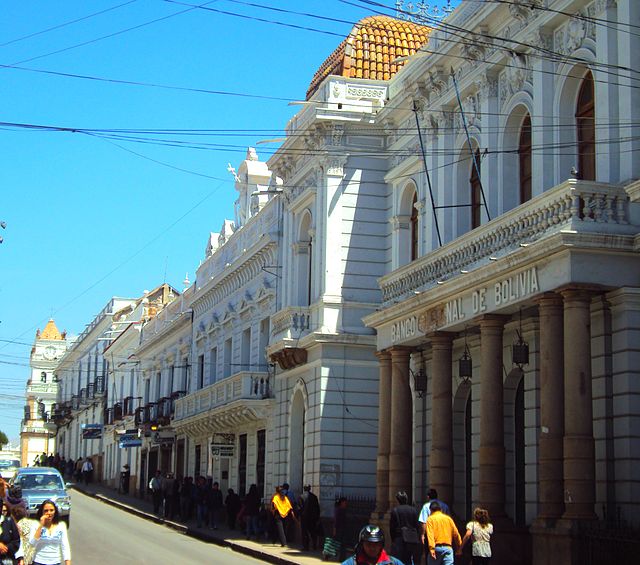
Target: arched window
point(524, 155)
point(474, 183)
point(414, 228)
point(586, 130)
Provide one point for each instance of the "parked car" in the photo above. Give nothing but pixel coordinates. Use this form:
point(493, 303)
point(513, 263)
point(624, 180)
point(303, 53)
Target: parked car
point(8, 467)
point(39, 484)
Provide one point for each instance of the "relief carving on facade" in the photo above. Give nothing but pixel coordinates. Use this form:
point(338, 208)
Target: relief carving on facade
point(522, 10)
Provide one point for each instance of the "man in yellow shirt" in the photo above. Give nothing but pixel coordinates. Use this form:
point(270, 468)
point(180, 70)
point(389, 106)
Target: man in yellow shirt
point(442, 536)
point(282, 513)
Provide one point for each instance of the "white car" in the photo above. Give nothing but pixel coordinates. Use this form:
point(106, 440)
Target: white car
point(8, 467)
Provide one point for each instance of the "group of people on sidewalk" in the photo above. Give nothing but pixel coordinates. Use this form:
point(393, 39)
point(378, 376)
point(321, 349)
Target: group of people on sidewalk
point(79, 470)
point(24, 541)
point(433, 531)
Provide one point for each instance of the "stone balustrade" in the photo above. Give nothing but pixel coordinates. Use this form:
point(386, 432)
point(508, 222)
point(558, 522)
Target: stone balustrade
point(241, 386)
point(291, 322)
point(573, 206)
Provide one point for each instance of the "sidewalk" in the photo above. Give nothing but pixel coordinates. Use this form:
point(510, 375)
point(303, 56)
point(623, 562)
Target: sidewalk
point(234, 539)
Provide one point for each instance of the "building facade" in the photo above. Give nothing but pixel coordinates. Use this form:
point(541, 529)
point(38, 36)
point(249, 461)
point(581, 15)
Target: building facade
point(37, 434)
point(510, 296)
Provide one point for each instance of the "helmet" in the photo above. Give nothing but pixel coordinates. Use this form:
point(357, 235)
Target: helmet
point(371, 533)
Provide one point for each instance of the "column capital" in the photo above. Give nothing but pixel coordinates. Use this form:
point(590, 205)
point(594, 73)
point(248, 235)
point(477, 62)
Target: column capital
point(401, 350)
point(493, 321)
point(441, 339)
point(549, 300)
point(384, 355)
point(579, 292)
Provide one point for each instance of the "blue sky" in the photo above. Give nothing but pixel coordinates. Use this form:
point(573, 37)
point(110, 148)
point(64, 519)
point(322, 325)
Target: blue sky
point(88, 219)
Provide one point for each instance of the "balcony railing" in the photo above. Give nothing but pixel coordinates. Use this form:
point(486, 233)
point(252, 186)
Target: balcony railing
point(91, 390)
point(573, 206)
point(117, 412)
point(108, 416)
point(291, 322)
point(99, 385)
point(241, 386)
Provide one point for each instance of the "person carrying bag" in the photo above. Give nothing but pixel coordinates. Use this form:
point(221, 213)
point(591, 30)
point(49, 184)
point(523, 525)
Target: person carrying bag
point(404, 527)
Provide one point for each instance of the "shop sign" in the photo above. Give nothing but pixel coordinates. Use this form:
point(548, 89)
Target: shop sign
point(91, 431)
point(131, 438)
point(163, 437)
point(222, 450)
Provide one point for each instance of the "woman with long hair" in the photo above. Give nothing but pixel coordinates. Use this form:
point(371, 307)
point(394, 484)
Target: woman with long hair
point(50, 538)
point(25, 526)
point(479, 531)
point(9, 536)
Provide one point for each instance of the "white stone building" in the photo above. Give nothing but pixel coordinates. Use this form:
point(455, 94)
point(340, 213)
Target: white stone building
point(546, 439)
point(37, 434)
point(83, 382)
point(125, 395)
point(226, 421)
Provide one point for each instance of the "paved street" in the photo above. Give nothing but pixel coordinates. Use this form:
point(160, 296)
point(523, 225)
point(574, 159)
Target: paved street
point(102, 534)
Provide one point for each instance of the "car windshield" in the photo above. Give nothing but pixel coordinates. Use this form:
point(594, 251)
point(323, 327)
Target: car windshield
point(40, 481)
point(9, 464)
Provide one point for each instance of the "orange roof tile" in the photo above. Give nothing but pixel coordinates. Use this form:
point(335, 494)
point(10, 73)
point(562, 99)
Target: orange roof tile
point(370, 48)
point(50, 331)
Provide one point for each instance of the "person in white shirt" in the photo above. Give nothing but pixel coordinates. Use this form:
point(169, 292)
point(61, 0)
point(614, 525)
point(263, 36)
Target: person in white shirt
point(50, 538)
point(479, 531)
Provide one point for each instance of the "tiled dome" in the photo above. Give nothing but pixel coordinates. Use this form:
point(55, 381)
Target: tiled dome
point(368, 50)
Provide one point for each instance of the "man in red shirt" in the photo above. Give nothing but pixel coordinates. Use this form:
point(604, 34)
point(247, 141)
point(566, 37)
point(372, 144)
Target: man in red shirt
point(370, 549)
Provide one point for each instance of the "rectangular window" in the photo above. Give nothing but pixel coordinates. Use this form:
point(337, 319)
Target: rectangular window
point(264, 342)
point(227, 357)
point(261, 437)
point(245, 352)
point(200, 371)
point(242, 465)
point(213, 364)
point(171, 377)
point(158, 386)
point(198, 458)
point(147, 390)
point(185, 374)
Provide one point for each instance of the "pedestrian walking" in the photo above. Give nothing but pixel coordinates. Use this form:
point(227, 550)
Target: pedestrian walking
point(155, 484)
point(70, 468)
point(432, 496)
point(50, 538)
point(186, 499)
point(252, 512)
point(9, 536)
point(168, 484)
point(87, 469)
point(340, 525)
point(26, 527)
point(479, 531)
point(442, 537)
point(405, 531)
point(309, 518)
point(78, 469)
point(282, 513)
point(214, 497)
point(125, 476)
point(370, 549)
point(200, 500)
point(233, 505)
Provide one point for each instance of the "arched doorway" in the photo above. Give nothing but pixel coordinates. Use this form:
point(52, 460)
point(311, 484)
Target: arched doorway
point(296, 448)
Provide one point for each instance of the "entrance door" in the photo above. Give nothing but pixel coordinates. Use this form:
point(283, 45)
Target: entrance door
point(180, 459)
point(143, 474)
point(165, 459)
point(224, 474)
point(242, 465)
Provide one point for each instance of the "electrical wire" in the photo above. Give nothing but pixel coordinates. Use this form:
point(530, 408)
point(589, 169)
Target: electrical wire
point(59, 26)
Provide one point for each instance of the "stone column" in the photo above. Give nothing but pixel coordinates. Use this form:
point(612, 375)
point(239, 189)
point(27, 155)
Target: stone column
point(441, 456)
point(578, 444)
point(550, 496)
point(401, 420)
point(491, 453)
point(384, 432)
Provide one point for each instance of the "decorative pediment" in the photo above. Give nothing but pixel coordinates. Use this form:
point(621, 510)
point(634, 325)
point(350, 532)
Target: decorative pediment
point(264, 293)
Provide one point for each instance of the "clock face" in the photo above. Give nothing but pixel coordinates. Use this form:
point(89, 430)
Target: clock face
point(49, 352)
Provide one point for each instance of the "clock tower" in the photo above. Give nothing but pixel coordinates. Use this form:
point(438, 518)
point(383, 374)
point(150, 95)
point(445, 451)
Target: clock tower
point(37, 433)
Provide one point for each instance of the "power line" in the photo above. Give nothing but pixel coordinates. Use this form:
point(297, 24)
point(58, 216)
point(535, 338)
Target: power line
point(90, 41)
point(59, 26)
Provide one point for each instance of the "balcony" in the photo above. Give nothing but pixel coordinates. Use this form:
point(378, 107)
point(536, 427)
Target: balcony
point(98, 385)
point(239, 399)
point(117, 412)
point(573, 207)
point(291, 323)
point(107, 416)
